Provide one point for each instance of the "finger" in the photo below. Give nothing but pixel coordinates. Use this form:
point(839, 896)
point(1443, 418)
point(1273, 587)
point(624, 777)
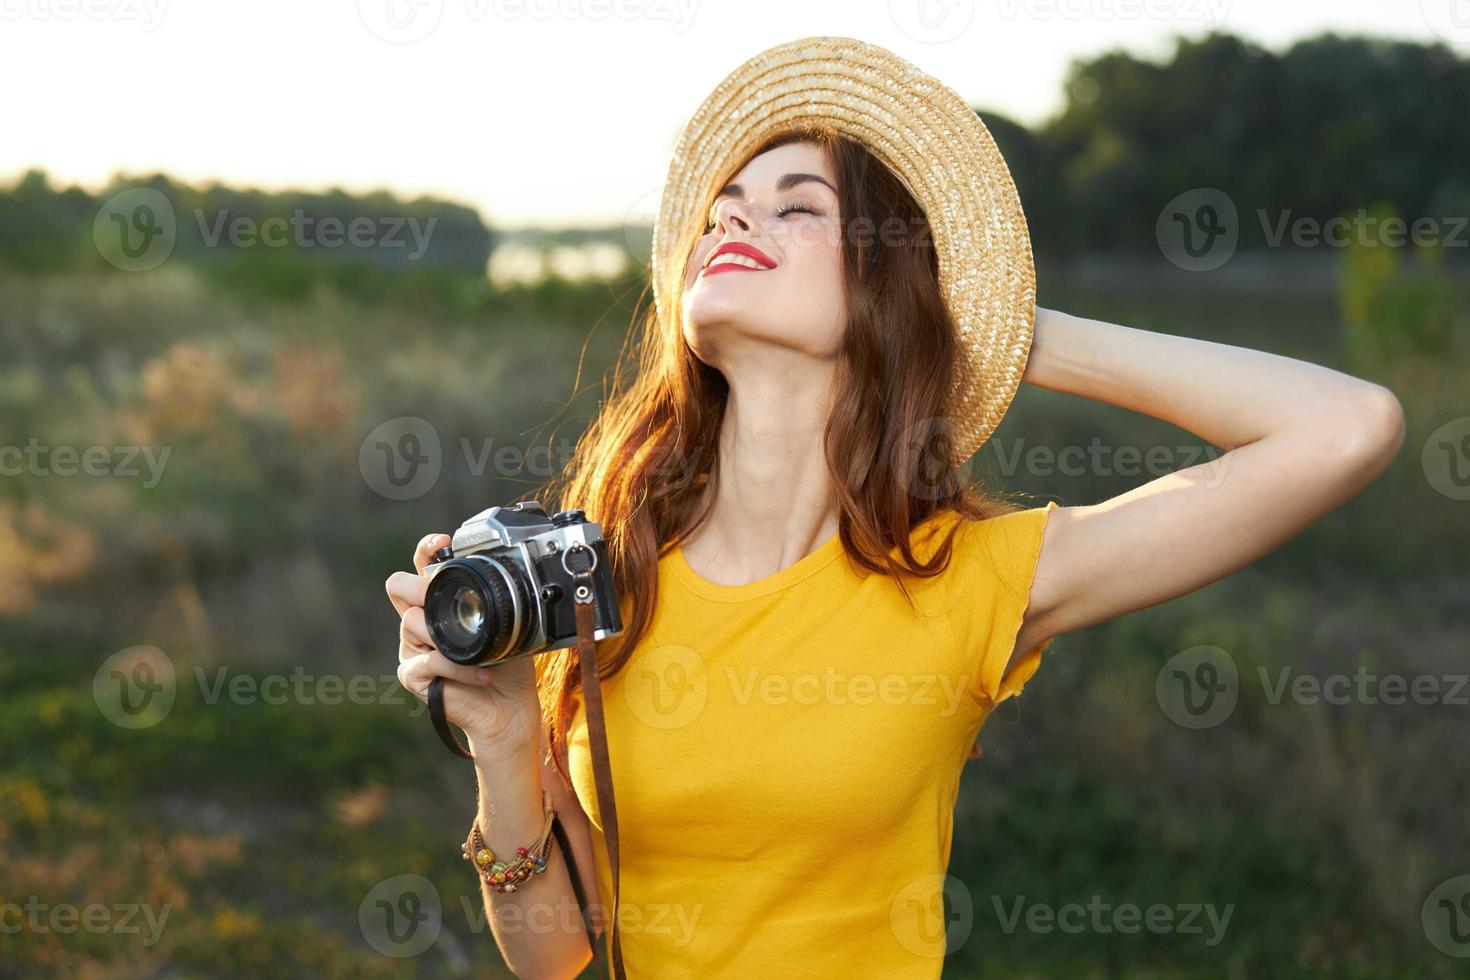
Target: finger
point(414, 630)
point(424, 667)
point(430, 544)
point(408, 647)
point(408, 683)
point(452, 695)
point(406, 590)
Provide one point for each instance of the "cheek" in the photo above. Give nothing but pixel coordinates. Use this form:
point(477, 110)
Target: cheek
point(696, 261)
point(816, 297)
point(821, 274)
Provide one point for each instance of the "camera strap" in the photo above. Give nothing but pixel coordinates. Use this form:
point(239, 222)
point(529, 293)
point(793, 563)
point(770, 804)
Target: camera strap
point(584, 597)
point(441, 723)
point(583, 600)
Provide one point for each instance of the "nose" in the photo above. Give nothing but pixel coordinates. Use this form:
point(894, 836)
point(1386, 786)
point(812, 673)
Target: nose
point(730, 211)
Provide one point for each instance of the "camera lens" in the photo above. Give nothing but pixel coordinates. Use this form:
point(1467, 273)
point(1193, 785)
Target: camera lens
point(469, 610)
point(477, 609)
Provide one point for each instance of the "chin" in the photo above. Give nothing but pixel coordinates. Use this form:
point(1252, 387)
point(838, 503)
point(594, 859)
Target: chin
point(705, 312)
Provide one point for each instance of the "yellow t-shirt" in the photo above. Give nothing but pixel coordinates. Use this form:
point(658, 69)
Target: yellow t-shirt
point(786, 756)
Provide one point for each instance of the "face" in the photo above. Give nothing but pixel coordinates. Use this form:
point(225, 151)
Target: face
point(782, 209)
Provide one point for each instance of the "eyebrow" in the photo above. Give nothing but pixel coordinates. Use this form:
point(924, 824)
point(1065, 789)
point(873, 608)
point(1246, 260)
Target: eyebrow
point(786, 182)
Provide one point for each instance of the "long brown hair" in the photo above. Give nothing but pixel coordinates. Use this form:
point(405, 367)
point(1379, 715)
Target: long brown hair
point(641, 468)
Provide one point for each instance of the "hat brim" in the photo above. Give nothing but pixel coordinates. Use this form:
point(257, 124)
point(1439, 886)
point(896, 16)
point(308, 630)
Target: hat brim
point(937, 146)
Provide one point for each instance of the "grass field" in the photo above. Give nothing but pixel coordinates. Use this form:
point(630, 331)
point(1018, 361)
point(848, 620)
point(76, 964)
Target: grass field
point(258, 817)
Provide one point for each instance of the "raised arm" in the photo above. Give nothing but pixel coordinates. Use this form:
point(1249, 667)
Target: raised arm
point(1301, 440)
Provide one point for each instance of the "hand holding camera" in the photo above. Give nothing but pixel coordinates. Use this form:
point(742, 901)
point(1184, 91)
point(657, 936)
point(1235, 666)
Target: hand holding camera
point(502, 588)
point(496, 707)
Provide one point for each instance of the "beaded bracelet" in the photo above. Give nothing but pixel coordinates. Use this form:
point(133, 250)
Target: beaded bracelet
point(507, 876)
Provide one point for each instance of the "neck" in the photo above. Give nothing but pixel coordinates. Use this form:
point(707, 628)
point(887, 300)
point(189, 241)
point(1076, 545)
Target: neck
point(773, 497)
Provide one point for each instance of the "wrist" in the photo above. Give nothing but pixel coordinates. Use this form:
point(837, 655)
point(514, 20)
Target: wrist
point(513, 733)
point(500, 756)
point(510, 797)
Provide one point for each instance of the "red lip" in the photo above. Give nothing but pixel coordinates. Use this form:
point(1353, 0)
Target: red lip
point(739, 248)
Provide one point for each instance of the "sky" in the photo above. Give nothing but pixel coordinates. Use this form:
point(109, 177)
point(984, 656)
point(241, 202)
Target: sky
point(536, 112)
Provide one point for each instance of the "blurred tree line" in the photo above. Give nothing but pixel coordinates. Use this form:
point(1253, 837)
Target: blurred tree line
point(1330, 127)
point(374, 247)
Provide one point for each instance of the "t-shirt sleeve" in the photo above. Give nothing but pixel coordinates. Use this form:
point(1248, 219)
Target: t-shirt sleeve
point(989, 585)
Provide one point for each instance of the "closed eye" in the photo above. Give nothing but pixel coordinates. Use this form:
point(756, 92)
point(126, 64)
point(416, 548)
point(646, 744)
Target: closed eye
point(781, 212)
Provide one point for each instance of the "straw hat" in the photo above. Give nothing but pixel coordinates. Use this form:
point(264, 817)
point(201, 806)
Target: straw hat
point(935, 143)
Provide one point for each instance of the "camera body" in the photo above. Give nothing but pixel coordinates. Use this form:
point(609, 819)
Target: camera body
point(503, 587)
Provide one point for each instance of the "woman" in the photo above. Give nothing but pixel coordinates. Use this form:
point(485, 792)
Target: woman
point(788, 728)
